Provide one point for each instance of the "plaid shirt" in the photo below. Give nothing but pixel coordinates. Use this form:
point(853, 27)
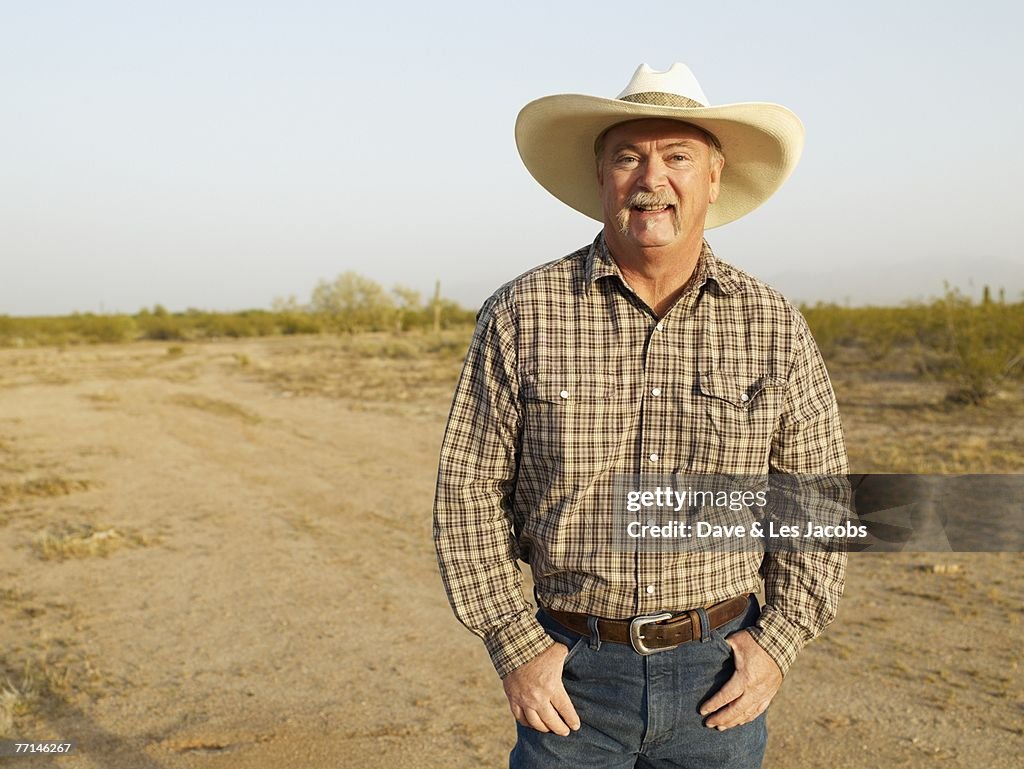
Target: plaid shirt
point(571, 379)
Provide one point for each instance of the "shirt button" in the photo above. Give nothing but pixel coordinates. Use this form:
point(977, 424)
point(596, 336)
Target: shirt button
point(653, 457)
point(656, 392)
point(563, 394)
point(744, 397)
point(650, 590)
point(660, 326)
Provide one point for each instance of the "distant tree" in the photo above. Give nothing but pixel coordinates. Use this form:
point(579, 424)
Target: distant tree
point(410, 308)
point(289, 304)
point(354, 303)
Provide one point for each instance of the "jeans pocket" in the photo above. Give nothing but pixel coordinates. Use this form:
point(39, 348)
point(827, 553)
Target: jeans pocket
point(581, 643)
point(556, 632)
point(745, 620)
point(719, 640)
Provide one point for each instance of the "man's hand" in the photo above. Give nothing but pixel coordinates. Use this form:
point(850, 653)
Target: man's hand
point(536, 695)
point(749, 691)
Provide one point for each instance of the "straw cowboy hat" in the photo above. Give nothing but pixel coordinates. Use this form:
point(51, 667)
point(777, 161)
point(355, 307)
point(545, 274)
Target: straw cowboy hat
point(761, 142)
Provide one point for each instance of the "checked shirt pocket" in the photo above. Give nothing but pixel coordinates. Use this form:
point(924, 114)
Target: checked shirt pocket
point(573, 424)
point(742, 411)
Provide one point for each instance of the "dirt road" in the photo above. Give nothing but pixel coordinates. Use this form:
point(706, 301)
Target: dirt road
point(211, 558)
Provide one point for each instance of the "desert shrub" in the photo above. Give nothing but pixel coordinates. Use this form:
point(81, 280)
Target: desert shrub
point(975, 347)
point(102, 328)
point(161, 325)
point(65, 330)
point(874, 332)
point(246, 323)
point(349, 304)
point(298, 323)
point(450, 346)
point(979, 346)
point(353, 303)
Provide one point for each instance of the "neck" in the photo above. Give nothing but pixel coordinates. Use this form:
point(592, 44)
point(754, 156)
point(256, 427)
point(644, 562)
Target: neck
point(658, 275)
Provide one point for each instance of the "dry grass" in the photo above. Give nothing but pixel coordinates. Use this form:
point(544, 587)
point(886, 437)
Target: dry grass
point(104, 398)
point(369, 367)
point(42, 666)
point(215, 406)
point(50, 673)
point(36, 686)
point(10, 596)
point(47, 486)
point(12, 703)
point(84, 541)
point(941, 568)
point(897, 424)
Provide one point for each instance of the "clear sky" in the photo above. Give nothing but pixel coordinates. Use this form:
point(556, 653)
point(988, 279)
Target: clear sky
point(219, 154)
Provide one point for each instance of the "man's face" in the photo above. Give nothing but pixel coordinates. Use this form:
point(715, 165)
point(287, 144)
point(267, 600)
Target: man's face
point(657, 179)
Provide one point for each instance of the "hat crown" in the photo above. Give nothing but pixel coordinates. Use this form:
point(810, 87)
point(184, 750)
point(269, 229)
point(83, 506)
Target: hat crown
point(677, 81)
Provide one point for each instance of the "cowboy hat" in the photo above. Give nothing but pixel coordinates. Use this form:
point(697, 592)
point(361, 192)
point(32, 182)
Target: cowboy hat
point(761, 142)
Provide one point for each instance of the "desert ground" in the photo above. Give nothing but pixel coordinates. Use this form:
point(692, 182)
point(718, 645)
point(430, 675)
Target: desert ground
point(218, 554)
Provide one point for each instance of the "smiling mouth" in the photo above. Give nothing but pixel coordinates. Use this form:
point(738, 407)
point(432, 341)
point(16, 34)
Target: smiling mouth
point(646, 210)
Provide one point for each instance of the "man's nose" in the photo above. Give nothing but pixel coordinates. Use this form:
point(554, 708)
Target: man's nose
point(652, 174)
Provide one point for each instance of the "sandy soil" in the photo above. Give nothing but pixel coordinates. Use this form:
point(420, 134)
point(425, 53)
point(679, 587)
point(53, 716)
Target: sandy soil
point(219, 555)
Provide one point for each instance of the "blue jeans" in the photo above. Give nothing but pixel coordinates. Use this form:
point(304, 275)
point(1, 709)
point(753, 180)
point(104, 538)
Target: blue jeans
point(642, 711)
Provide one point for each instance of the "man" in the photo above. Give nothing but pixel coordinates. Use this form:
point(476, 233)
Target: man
point(637, 356)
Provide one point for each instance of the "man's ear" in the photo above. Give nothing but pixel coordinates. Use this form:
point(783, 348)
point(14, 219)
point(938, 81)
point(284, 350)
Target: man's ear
point(717, 164)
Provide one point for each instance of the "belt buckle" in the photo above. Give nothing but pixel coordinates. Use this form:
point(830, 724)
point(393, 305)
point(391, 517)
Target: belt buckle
point(636, 640)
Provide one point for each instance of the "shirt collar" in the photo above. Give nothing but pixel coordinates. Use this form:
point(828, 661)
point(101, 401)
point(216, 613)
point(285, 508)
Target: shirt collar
point(599, 264)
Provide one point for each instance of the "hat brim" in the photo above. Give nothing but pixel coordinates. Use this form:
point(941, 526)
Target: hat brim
point(762, 143)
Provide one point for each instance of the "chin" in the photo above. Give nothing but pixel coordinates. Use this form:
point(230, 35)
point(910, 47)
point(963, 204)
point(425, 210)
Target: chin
point(653, 239)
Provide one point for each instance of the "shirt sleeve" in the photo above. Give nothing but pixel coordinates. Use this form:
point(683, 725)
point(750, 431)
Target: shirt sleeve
point(802, 589)
point(477, 549)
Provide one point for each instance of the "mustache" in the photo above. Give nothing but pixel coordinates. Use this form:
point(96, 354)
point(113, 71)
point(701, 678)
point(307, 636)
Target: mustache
point(643, 199)
point(657, 198)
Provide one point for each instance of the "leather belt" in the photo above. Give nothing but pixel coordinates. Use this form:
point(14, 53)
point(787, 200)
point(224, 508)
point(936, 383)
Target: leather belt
point(650, 633)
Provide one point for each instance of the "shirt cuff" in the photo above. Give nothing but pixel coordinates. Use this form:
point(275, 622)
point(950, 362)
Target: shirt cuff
point(516, 644)
point(778, 636)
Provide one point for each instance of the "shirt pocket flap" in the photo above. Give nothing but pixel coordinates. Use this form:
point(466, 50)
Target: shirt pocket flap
point(557, 388)
point(739, 390)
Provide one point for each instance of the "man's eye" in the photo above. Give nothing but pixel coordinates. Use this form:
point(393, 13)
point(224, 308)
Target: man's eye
point(625, 160)
point(680, 158)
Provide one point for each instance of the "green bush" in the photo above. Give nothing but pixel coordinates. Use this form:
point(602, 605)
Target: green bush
point(975, 347)
point(984, 344)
